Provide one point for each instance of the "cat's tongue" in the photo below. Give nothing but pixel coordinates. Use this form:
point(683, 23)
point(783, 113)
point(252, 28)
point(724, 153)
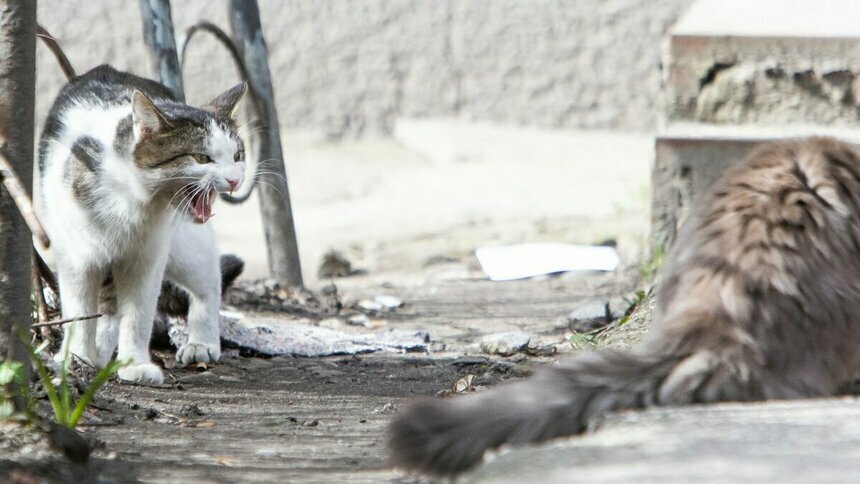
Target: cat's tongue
point(201, 206)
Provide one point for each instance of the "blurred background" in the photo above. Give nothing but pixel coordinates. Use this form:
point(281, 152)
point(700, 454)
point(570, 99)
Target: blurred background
point(415, 130)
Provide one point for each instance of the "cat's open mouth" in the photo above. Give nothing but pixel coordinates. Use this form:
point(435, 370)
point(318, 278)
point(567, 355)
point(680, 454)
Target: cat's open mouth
point(199, 203)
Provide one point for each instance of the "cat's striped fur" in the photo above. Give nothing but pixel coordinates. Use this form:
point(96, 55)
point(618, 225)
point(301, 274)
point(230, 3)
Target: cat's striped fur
point(128, 177)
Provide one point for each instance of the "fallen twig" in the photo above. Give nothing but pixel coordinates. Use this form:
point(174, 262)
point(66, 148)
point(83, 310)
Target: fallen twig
point(98, 424)
point(46, 273)
point(64, 321)
point(41, 304)
point(21, 198)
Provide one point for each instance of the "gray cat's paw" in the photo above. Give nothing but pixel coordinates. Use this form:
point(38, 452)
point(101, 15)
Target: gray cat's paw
point(144, 374)
point(198, 353)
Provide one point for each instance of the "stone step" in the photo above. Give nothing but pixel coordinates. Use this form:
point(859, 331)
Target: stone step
point(764, 62)
point(690, 157)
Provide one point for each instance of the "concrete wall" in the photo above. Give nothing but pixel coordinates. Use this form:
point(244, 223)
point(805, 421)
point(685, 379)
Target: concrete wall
point(353, 67)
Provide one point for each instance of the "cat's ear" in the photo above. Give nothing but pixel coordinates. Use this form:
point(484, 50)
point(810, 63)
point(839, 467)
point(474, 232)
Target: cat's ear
point(224, 105)
point(146, 118)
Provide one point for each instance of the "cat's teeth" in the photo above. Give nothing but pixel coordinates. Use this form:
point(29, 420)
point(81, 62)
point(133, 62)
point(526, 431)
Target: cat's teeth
point(201, 206)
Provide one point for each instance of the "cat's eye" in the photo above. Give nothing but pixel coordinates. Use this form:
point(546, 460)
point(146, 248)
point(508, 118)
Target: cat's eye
point(202, 158)
point(238, 156)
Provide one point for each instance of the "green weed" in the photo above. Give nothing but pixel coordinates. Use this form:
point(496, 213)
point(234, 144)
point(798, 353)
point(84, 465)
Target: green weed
point(649, 269)
point(67, 412)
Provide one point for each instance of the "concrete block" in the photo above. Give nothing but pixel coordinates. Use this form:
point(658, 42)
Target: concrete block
point(764, 62)
point(691, 157)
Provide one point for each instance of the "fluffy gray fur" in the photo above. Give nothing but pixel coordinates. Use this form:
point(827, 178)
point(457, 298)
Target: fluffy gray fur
point(758, 301)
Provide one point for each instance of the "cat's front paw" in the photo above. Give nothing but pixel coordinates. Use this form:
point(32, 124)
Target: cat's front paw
point(144, 374)
point(198, 353)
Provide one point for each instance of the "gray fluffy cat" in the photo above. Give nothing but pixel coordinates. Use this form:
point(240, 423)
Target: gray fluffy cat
point(759, 300)
point(128, 178)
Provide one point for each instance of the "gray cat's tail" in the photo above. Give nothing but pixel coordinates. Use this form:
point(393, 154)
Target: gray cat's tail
point(447, 436)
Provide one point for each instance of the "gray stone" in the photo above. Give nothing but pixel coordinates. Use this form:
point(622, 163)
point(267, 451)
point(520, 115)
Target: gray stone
point(331, 323)
point(505, 343)
point(269, 336)
point(369, 305)
point(358, 320)
point(388, 302)
point(590, 316)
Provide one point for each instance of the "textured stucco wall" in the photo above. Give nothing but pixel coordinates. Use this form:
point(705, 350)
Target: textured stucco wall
point(353, 67)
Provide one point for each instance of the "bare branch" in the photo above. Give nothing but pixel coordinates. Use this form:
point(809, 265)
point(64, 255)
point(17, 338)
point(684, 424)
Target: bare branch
point(21, 198)
point(46, 273)
point(258, 108)
point(55, 49)
point(58, 322)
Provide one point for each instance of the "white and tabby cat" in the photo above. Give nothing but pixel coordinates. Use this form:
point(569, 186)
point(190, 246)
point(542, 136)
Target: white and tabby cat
point(128, 177)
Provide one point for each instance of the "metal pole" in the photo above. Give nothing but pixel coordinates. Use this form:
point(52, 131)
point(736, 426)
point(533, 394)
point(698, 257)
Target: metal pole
point(17, 103)
point(275, 206)
point(161, 44)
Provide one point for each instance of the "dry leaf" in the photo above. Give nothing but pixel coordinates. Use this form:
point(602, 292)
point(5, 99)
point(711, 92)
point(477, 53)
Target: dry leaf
point(463, 384)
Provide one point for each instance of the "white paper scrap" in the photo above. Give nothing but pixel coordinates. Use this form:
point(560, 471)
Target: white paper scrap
point(511, 262)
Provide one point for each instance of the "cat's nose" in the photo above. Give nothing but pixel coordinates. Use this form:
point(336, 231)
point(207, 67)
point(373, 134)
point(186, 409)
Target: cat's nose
point(233, 182)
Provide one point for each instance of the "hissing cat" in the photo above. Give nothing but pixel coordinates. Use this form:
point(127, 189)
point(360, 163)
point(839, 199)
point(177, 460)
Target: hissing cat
point(128, 177)
point(758, 300)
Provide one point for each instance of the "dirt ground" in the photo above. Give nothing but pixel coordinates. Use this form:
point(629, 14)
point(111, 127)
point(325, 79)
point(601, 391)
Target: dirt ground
point(409, 211)
point(287, 419)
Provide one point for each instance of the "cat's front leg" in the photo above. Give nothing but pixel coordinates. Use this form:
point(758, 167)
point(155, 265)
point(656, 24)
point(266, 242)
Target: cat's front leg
point(193, 264)
point(138, 282)
point(79, 297)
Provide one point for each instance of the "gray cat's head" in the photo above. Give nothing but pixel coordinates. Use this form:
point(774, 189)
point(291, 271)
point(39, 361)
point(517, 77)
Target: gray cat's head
point(189, 153)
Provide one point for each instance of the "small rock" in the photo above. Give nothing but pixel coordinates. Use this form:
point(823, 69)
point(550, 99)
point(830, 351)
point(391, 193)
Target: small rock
point(561, 324)
point(334, 264)
point(266, 452)
point(470, 361)
point(590, 316)
point(69, 441)
point(358, 320)
point(387, 408)
point(369, 305)
point(505, 343)
point(545, 350)
point(329, 290)
point(330, 323)
point(191, 410)
point(151, 413)
point(388, 302)
point(439, 259)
